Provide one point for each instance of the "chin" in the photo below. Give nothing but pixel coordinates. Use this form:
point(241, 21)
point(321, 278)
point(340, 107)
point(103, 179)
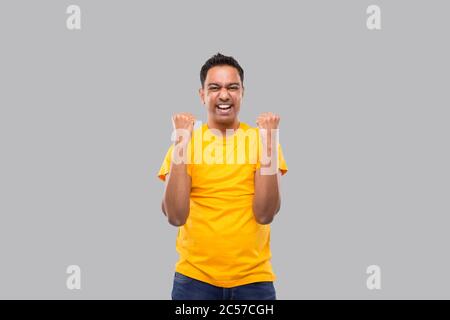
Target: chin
point(229, 121)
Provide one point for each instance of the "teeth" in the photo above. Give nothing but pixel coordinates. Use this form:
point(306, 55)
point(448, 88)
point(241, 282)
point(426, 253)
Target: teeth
point(224, 106)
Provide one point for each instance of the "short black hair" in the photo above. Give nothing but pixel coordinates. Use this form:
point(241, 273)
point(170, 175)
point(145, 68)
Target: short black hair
point(218, 60)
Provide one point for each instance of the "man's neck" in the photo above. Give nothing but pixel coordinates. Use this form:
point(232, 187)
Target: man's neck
point(223, 127)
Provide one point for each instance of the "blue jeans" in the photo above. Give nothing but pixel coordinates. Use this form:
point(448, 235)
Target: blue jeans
point(186, 288)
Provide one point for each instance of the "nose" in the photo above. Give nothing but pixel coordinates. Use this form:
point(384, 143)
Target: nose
point(224, 95)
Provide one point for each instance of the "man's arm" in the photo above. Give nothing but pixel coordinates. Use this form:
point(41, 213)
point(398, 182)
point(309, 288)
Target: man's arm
point(176, 200)
point(175, 204)
point(267, 198)
point(163, 208)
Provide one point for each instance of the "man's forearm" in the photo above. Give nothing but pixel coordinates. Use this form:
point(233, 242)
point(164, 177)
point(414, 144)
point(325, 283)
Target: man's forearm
point(176, 198)
point(177, 194)
point(267, 200)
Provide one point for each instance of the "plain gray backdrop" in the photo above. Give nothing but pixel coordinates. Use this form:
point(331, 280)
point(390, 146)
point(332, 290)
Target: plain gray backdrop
point(85, 124)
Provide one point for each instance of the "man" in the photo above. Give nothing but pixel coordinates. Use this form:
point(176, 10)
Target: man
point(223, 205)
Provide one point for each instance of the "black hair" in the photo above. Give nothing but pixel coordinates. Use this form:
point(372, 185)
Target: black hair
point(218, 60)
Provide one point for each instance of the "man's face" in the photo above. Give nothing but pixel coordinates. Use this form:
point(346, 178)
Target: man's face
point(222, 94)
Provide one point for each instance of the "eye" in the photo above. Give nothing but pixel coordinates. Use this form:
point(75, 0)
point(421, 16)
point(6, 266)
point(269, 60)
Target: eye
point(234, 88)
point(213, 88)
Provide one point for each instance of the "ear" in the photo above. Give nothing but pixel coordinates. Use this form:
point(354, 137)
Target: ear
point(201, 93)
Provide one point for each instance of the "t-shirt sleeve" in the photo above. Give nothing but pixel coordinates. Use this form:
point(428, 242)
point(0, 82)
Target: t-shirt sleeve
point(165, 166)
point(281, 162)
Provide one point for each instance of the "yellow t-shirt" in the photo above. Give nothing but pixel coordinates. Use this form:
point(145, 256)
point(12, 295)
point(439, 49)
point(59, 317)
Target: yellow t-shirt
point(221, 243)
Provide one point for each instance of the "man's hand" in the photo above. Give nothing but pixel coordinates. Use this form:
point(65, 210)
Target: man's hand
point(183, 124)
point(268, 121)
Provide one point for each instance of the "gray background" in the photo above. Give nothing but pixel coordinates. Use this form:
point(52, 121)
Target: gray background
point(85, 123)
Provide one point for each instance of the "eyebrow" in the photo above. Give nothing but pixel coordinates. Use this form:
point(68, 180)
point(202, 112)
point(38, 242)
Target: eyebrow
point(230, 84)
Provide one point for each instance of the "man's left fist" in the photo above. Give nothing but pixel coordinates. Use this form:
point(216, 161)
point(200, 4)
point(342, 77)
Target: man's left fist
point(268, 120)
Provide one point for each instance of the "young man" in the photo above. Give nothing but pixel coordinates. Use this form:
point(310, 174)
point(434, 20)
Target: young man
point(222, 193)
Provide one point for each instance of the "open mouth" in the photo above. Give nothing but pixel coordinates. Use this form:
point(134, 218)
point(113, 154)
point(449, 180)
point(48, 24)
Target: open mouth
point(224, 108)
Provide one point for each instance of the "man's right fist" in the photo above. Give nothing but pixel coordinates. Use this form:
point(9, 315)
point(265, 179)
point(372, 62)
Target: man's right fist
point(183, 124)
point(183, 120)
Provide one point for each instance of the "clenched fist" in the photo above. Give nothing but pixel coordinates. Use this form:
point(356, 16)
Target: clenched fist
point(268, 120)
point(183, 125)
point(268, 123)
